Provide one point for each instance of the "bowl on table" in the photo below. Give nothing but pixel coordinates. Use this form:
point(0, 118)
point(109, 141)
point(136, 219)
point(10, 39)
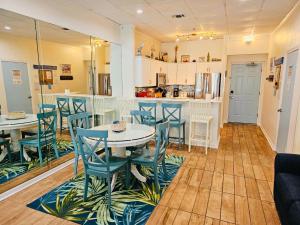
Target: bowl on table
point(16, 115)
point(118, 126)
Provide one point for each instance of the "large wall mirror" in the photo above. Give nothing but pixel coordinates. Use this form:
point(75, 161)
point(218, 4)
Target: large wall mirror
point(45, 68)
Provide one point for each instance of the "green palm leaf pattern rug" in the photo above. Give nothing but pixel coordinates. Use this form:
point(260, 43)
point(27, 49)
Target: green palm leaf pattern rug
point(11, 170)
point(129, 206)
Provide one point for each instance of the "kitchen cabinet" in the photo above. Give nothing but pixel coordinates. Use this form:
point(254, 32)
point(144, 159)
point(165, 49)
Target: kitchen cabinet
point(142, 72)
point(186, 73)
point(207, 67)
point(171, 73)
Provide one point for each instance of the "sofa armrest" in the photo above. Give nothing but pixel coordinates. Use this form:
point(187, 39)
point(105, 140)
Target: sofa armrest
point(287, 163)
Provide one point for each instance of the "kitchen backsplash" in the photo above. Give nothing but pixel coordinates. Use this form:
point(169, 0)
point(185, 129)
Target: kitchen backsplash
point(184, 91)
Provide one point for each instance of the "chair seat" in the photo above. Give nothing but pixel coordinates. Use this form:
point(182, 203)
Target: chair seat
point(153, 121)
point(3, 141)
point(176, 123)
point(33, 140)
point(115, 164)
point(201, 119)
point(143, 157)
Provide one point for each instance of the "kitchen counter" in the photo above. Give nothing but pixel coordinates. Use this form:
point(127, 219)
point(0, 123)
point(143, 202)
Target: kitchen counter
point(179, 99)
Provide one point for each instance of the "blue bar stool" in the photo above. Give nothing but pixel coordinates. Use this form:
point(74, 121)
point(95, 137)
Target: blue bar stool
point(79, 105)
point(172, 112)
point(150, 107)
point(63, 105)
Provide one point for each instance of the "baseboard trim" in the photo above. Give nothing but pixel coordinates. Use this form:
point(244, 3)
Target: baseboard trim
point(273, 146)
point(34, 180)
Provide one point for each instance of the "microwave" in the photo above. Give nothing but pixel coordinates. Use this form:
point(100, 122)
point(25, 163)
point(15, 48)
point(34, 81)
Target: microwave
point(161, 79)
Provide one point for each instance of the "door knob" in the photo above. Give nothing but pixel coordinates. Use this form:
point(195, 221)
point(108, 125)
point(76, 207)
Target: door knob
point(29, 97)
point(279, 110)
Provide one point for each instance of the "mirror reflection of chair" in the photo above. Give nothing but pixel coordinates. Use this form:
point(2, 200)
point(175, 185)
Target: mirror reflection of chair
point(63, 105)
point(103, 166)
point(79, 105)
point(80, 120)
point(172, 112)
point(46, 136)
point(153, 159)
point(5, 144)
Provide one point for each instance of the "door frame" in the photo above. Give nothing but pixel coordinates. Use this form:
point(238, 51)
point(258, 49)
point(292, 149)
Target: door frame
point(4, 102)
point(295, 102)
point(261, 88)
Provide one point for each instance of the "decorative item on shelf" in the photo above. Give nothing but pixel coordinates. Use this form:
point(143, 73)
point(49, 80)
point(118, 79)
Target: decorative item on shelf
point(118, 126)
point(165, 56)
point(216, 59)
point(202, 59)
point(139, 50)
point(208, 57)
point(185, 58)
point(152, 52)
point(270, 78)
point(176, 50)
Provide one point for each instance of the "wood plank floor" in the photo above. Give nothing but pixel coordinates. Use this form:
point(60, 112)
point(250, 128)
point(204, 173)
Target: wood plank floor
point(232, 185)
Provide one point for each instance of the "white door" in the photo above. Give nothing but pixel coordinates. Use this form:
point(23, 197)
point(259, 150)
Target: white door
point(287, 97)
point(17, 89)
point(244, 93)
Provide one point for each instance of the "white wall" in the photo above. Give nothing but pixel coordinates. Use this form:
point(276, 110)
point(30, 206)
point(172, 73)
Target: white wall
point(149, 42)
point(66, 14)
point(13, 48)
point(284, 39)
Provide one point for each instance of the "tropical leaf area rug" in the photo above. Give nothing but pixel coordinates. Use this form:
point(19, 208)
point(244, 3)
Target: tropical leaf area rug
point(11, 170)
point(132, 206)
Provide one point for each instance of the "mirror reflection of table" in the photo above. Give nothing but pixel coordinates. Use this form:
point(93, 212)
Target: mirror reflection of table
point(134, 135)
point(14, 127)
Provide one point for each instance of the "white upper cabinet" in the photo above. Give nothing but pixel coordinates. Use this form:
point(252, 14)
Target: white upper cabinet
point(172, 73)
point(142, 72)
point(186, 73)
point(190, 75)
point(207, 67)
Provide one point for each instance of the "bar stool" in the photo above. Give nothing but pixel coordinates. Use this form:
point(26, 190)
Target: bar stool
point(79, 105)
point(63, 105)
point(99, 109)
point(172, 112)
point(150, 107)
point(200, 113)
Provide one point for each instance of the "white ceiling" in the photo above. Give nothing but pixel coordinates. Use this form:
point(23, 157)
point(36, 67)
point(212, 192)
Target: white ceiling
point(220, 16)
point(24, 26)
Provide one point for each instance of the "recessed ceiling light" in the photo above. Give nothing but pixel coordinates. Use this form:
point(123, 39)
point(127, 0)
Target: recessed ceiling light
point(211, 37)
point(177, 39)
point(201, 37)
point(139, 11)
point(7, 27)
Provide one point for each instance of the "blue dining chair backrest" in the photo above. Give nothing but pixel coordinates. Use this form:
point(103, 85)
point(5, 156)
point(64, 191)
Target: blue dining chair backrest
point(88, 149)
point(63, 106)
point(171, 112)
point(47, 126)
point(79, 105)
point(148, 106)
point(46, 107)
point(162, 136)
point(77, 120)
point(139, 116)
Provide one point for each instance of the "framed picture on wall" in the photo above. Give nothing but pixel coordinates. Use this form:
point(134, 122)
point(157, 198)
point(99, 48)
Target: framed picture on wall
point(185, 58)
point(66, 69)
point(46, 77)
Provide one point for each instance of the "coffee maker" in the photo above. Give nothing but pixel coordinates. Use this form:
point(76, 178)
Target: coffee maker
point(176, 92)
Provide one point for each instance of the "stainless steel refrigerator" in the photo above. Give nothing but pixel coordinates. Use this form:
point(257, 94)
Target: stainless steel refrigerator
point(104, 84)
point(208, 83)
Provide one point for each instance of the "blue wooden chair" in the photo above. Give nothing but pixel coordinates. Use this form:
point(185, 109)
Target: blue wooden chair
point(153, 159)
point(100, 166)
point(150, 107)
point(172, 112)
point(79, 105)
point(46, 135)
point(5, 143)
point(77, 120)
point(140, 117)
point(42, 108)
point(63, 105)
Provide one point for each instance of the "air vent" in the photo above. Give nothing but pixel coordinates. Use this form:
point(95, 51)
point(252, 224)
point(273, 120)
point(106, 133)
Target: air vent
point(178, 16)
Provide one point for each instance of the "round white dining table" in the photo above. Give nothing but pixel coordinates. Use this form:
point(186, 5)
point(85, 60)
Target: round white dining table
point(134, 135)
point(15, 127)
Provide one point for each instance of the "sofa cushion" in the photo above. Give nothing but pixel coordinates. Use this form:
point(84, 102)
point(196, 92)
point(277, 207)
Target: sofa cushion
point(294, 214)
point(288, 189)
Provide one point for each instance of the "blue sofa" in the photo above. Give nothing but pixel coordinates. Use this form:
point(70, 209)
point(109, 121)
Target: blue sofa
point(287, 188)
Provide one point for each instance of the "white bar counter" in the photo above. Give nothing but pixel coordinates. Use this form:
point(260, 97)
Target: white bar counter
point(114, 102)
